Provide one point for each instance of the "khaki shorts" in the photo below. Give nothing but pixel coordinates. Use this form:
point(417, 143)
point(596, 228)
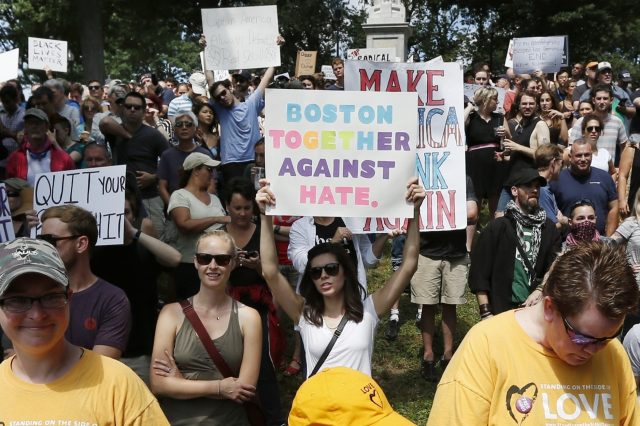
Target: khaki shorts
point(439, 281)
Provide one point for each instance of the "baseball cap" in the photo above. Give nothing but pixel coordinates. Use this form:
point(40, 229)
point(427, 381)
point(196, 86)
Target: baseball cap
point(592, 64)
point(119, 90)
point(625, 76)
point(245, 74)
point(604, 66)
point(525, 175)
point(26, 255)
point(196, 159)
point(37, 113)
point(342, 396)
point(198, 83)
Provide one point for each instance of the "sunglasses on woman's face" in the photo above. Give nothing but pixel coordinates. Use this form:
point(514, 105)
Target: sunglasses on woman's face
point(331, 269)
point(593, 129)
point(187, 124)
point(583, 339)
point(205, 259)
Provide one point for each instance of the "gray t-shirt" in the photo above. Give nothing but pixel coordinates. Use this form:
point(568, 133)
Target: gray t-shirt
point(632, 346)
point(630, 231)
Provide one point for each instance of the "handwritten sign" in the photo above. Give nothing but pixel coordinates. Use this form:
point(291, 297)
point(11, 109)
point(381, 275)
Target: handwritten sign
point(327, 70)
point(382, 54)
point(306, 62)
point(470, 90)
point(99, 190)
point(9, 65)
point(44, 53)
point(241, 37)
point(440, 155)
point(547, 54)
point(6, 225)
point(334, 154)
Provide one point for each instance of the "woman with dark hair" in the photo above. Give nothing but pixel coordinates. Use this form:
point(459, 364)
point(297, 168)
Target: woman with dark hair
point(308, 82)
point(592, 128)
point(558, 133)
point(89, 108)
point(193, 210)
point(152, 116)
point(331, 295)
point(207, 132)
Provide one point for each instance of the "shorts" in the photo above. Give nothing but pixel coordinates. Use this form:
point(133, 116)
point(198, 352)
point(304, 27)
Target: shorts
point(440, 281)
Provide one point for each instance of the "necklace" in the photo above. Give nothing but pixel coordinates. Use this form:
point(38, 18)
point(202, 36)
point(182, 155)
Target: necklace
point(324, 320)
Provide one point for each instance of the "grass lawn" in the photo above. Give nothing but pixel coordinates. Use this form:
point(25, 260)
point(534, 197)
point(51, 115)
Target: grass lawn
point(396, 366)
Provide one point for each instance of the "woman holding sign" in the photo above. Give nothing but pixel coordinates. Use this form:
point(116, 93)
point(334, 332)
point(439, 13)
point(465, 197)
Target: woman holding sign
point(331, 298)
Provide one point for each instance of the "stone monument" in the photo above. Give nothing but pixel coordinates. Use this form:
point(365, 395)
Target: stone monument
point(386, 26)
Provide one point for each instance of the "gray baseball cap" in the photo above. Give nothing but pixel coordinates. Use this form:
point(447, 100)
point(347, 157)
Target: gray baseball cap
point(26, 255)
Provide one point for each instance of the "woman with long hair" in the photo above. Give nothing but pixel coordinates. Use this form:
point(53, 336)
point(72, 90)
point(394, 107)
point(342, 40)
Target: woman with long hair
point(330, 292)
point(207, 131)
point(195, 391)
point(592, 128)
point(558, 132)
point(89, 108)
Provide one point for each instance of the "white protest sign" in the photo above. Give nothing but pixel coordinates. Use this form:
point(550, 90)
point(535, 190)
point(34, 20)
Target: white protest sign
point(329, 153)
point(6, 225)
point(547, 54)
point(241, 37)
point(44, 53)
point(9, 65)
point(470, 90)
point(437, 60)
point(327, 70)
point(440, 156)
point(381, 54)
point(508, 60)
point(99, 190)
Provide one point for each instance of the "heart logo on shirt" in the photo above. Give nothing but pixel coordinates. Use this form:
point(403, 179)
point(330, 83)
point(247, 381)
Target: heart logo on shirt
point(375, 398)
point(520, 401)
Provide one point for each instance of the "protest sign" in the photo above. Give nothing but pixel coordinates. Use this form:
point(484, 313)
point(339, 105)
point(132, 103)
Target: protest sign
point(306, 62)
point(382, 54)
point(440, 156)
point(45, 53)
point(9, 65)
point(547, 54)
point(470, 90)
point(327, 70)
point(241, 37)
point(6, 225)
point(334, 154)
point(99, 190)
point(508, 60)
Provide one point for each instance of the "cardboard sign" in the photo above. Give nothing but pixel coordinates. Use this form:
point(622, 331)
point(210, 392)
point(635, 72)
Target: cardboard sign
point(99, 190)
point(241, 37)
point(330, 153)
point(548, 54)
point(440, 157)
point(306, 62)
point(6, 225)
point(382, 54)
point(470, 90)
point(9, 65)
point(44, 53)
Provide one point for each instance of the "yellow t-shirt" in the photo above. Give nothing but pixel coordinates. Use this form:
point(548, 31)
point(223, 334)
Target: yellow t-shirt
point(97, 391)
point(500, 376)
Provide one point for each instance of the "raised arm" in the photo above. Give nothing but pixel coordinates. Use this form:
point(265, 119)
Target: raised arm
point(384, 298)
point(268, 74)
point(280, 288)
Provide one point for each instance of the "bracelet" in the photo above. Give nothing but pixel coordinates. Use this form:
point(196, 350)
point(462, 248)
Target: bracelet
point(137, 236)
point(540, 287)
point(276, 229)
point(485, 308)
point(485, 315)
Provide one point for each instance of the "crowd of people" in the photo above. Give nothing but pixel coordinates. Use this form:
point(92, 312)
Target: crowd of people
point(192, 300)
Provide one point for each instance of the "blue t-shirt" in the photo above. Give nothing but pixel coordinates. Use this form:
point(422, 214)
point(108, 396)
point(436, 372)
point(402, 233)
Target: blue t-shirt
point(548, 203)
point(239, 129)
point(597, 186)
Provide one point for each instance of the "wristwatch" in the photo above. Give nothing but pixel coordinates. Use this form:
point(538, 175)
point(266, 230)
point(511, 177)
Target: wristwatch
point(276, 229)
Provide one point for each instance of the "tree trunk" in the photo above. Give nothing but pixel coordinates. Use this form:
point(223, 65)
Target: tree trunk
point(89, 23)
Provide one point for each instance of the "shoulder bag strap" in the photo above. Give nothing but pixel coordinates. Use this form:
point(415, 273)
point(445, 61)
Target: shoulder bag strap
point(197, 325)
point(327, 350)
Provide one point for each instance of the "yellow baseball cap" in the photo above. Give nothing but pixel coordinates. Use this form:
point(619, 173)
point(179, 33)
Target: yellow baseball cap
point(342, 396)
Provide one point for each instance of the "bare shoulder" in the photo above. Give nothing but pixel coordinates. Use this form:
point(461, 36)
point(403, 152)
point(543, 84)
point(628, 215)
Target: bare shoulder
point(247, 315)
point(171, 312)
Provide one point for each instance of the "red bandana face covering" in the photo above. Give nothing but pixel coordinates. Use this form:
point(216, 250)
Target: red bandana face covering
point(584, 231)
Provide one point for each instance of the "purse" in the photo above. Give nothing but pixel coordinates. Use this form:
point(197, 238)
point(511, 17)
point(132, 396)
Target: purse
point(254, 411)
point(332, 342)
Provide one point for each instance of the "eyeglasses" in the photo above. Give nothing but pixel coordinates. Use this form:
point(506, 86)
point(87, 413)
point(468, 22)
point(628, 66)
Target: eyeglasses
point(53, 240)
point(132, 107)
point(204, 259)
point(582, 339)
point(19, 304)
point(94, 87)
point(593, 129)
point(187, 124)
point(331, 269)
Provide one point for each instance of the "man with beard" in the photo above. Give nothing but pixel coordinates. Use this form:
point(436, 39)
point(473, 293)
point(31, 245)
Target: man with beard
point(581, 181)
point(514, 251)
point(614, 132)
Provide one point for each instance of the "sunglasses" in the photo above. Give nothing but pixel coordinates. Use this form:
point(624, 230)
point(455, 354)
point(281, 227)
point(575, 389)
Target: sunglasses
point(222, 94)
point(187, 124)
point(53, 240)
point(593, 129)
point(204, 259)
point(94, 87)
point(331, 269)
point(582, 339)
point(21, 304)
point(133, 107)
